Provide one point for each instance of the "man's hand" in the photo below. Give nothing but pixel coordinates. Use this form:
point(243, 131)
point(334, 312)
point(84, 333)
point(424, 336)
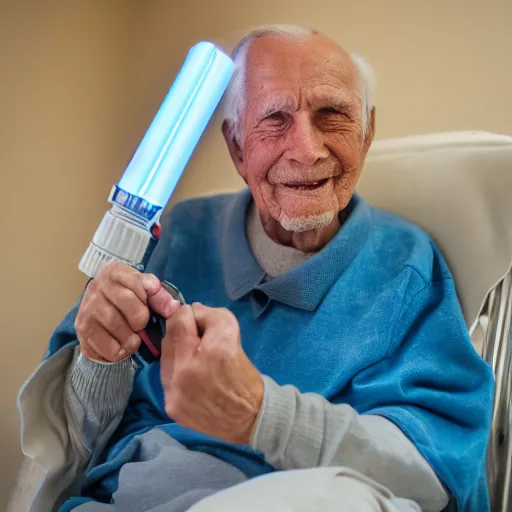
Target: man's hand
point(114, 309)
point(209, 383)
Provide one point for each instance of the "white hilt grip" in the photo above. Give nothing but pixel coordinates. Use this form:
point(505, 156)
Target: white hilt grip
point(115, 239)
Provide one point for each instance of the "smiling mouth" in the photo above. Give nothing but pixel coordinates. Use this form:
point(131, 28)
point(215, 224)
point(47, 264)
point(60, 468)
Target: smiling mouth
point(314, 185)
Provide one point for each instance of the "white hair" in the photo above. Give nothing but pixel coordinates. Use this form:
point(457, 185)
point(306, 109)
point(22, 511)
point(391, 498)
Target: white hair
point(301, 224)
point(234, 101)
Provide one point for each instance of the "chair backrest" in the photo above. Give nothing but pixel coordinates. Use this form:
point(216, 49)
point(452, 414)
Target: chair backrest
point(458, 187)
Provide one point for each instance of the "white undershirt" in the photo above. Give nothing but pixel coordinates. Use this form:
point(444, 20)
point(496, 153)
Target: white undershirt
point(273, 258)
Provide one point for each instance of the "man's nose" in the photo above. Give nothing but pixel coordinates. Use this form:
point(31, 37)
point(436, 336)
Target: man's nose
point(306, 142)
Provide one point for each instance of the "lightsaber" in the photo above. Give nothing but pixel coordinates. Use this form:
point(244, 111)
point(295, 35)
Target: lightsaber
point(146, 186)
point(129, 230)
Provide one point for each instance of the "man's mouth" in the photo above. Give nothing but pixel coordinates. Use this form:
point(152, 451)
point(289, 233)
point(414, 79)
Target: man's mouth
point(313, 185)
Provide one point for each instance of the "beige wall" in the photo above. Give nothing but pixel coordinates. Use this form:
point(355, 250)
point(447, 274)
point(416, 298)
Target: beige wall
point(80, 81)
point(440, 65)
point(62, 143)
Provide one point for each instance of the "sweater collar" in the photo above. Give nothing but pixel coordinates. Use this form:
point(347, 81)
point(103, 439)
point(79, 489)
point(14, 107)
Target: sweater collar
point(305, 286)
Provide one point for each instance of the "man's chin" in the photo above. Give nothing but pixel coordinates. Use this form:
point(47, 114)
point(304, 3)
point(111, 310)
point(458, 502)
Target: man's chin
point(309, 223)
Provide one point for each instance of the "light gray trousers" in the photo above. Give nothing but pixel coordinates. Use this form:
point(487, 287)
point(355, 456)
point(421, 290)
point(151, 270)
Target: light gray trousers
point(169, 478)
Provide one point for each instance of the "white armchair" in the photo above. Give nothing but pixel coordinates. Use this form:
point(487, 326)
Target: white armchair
point(458, 187)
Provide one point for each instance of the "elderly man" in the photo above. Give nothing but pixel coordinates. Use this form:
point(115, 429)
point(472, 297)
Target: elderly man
point(324, 351)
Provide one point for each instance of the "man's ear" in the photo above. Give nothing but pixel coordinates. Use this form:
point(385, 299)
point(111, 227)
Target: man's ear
point(233, 147)
point(370, 132)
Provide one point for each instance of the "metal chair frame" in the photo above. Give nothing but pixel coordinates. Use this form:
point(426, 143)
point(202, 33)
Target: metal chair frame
point(496, 322)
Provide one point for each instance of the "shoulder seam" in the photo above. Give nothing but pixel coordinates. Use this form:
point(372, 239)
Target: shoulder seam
point(420, 274)
point(406, 302)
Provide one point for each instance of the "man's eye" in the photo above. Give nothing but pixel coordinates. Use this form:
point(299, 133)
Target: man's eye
point(276, 118)
point(330, 111)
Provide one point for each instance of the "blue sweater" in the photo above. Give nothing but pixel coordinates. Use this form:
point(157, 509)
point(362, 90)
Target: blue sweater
point(372, 320)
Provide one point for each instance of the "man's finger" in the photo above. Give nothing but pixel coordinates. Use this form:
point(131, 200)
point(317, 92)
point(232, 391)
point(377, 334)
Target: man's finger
point(90, 353)
point(143, 285)
point(104, 344)
point(181, 339)
point(163, 303)
point(116, 324)
point(218, 329)
point(126, 302)
point(204, 316)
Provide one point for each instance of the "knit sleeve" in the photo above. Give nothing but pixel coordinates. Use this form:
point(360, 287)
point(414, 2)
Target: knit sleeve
point(300, 430)
point(97, 394)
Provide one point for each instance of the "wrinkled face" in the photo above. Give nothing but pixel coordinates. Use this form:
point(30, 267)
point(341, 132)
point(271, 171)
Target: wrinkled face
point(302, 147)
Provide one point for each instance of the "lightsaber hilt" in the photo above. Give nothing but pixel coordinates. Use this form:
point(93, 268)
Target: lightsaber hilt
point(126, 234)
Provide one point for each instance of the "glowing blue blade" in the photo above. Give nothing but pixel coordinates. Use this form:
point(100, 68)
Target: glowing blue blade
point(165, 150)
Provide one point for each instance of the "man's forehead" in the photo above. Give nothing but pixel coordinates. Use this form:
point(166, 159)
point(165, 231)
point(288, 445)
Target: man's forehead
point(312, 59)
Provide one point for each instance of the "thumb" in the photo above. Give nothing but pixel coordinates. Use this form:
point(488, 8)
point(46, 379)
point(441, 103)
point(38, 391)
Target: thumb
point(204, 316)
point(158, 298)
point(151, 284)
point(163, 303)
